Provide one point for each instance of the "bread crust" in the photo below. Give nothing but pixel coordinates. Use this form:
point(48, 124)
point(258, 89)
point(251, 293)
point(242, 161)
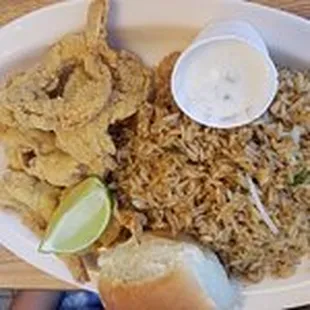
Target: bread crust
point(177, 290)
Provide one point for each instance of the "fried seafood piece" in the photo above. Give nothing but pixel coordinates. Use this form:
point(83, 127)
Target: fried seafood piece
point(79, 90)
point(57, 168)
point(133, 87)
point(55, 106)
point(8, 201)
point(21, 145)
point(7, 116)
point(76, 266)
point(133, 221)
point(38, 141)
point(34, 202)
point(35, 152)
point(28, 191)
point(67, 89)
point(91, 144)
point(34, 221)
point(111, 233)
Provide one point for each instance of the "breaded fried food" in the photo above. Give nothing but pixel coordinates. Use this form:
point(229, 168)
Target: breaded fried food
point(22, 145)
point(39, 196)
point(55, 120)
point(31, 218)
point(38, 141)
point(80, 88)
point(57, 168)
point(8, 201)
point(35, 202)
point(68, 98)
point(133, 87)
point(67, 89)
point(91, 144)
point(35, 152)
point(110, 234)
point(76, 266)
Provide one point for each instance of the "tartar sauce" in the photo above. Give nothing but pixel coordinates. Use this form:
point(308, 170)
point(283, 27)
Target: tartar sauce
point(224, 80)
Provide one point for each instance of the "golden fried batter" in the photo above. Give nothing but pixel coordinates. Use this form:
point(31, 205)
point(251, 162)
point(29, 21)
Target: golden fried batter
point(87, 144)
point(91, 144)
point(8, 201)
point(33, 220)
point(54, 124)
point(37, 98)
point(7, 116)
point(21, 145)
point(133, 221)
point(36, 195)
point(79, 89)
point(34, 151)
point(52, 106)
point(76, 265)
point(110, 234)
point(39, 141)
point(57, 168)
point(133, 86)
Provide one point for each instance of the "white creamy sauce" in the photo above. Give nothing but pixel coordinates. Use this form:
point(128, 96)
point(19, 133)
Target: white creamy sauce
point(224, 79)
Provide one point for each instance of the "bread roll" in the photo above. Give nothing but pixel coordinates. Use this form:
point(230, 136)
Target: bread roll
point(162, 274)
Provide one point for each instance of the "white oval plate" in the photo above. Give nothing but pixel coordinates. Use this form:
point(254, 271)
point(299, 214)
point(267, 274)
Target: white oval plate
point(153, 29)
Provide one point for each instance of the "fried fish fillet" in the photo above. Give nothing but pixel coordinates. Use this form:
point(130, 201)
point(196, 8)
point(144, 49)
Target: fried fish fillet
point(57, 168)
point(21, 145)
point(35, 202)
point(39, 196)
point(35, 152)
point(8, 201)
point(32, 216)
point(39, 141)
point(79, 89)
point(54, 122)
point(37, 98)
point(32, 219)
point(133, 87)
point(91, 144)
point(53, 106)
point(131, 220)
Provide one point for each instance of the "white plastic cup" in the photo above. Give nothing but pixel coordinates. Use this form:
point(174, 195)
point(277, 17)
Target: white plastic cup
point(232, 29)
point(221, 31)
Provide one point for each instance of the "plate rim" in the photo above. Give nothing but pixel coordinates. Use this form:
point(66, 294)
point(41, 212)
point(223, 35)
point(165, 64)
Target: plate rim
point(16, 24)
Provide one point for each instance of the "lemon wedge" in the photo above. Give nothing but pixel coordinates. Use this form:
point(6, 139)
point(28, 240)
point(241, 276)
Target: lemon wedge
point(80, 219)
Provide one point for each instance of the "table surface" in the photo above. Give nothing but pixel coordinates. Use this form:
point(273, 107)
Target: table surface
point(14, 272)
